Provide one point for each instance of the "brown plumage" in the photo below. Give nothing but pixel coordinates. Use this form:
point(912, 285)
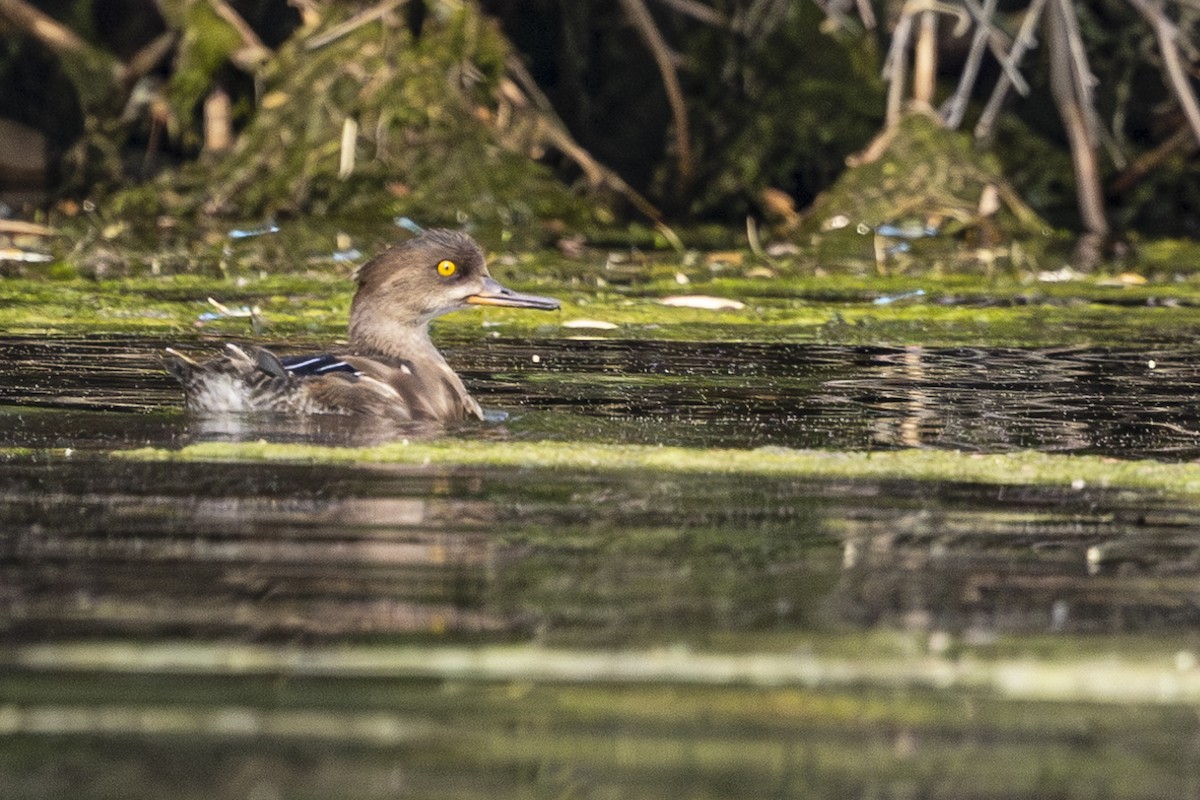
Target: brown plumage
point(391, 370)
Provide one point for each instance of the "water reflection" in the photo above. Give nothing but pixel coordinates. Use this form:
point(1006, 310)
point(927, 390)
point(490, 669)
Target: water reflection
point(132, 595)
point(1118, 402)
point(321, 553)
point(201, 563)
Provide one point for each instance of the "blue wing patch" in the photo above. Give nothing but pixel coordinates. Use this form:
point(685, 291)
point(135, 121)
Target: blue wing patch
point(316, 365)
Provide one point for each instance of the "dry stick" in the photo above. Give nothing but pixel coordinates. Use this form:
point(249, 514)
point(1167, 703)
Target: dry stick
point(250, 39)
point(597, 174)
point(997, 42)
point(1025, 42)
point(147, 58)
point(866, 14)
point(760, 17)
point(1065, 85)
point(835, 12)
point(925, 61)
point(1182, 142)
point(46, 30)
point(956, 106)
point(1167, 35)
point(1081, 73)
point(894, 67)
point(639, 15)
point(698, 11)
point(353, 24)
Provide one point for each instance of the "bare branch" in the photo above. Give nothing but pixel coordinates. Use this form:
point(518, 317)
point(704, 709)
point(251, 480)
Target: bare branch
point(925, 61)
point(953, 110)
point(1025, 42)
point(639, 15)
point(1181, 142)
point(866, 14)
point(698, 11)
point(353, 24)
point(46, 30)
point(1168, 37)
point(997, 42)
point(895, 66)
point(1073, 98)
point(556, 134)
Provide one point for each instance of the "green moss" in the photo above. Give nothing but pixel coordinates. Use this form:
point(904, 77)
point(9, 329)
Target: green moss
point(426, 145)
point(1025, 468)
point(923, 176)
point(794, 307)
point(207, 43)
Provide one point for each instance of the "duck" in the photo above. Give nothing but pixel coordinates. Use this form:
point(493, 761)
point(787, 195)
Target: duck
point(390, 369)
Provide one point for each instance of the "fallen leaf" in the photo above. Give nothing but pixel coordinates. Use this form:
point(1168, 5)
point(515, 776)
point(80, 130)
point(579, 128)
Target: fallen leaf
point(704, 301)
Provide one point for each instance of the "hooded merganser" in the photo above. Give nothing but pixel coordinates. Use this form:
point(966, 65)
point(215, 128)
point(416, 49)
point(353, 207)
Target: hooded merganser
point(391, 369)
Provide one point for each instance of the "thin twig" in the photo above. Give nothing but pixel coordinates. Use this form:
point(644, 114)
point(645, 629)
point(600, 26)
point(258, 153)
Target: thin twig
point(353, 24)
point(1024, 42)
point(55, 36)
point(866, 14)
point(1168, 36)
point(954, 108)
point(925, 61)
point(1081, 73)
point(228, 13)
point(895, 66)
point(640, 16)
point(698, 11)
point(147, 58)
point(556, 134)
point(1067, 86)
point(998, 43)
point(1181, 142)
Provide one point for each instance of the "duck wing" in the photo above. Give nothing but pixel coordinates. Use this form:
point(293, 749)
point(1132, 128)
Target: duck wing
point(425, 392)
point(255, 379)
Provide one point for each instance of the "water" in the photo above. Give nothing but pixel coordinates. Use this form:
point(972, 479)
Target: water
point(293, 630)
point(1119, 402)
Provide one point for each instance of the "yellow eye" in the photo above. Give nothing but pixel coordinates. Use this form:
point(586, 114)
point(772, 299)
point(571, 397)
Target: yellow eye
point(446, 268)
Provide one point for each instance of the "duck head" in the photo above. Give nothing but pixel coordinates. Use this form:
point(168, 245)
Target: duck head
point(409, 284)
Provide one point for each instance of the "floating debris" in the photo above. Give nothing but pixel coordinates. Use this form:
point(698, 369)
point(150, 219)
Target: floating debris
point(1058, 275)
point(893, 298)
point(343, 256)
point(19, 227)
point(731, 257)
point(703, 301)
point(408, 224)
point(225, 312)
point(909, 231)
point(26, 256)
point(249, 233)
point(835, 223)
point(1124, 279)
point(593, 324)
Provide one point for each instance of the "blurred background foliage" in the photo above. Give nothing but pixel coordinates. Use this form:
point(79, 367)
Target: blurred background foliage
point(561, 114)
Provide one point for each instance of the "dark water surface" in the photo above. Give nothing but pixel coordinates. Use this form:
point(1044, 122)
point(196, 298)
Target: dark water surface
point(1120, 402)
point(311, 631)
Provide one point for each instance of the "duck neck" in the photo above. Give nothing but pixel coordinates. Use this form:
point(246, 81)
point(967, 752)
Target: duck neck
point(443, 391)
point(392, 340)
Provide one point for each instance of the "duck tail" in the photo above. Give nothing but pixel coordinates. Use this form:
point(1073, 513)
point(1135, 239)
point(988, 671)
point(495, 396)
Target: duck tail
point(179, 365)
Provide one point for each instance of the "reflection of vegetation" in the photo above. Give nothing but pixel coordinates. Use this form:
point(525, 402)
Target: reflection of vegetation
point(520, 738)
point(1029, 468)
